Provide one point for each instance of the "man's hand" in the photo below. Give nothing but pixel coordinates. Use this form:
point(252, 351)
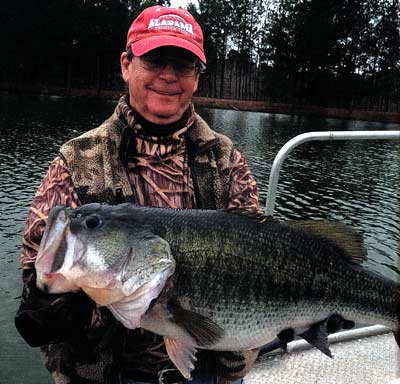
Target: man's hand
point(232, 366)
point(46, 318)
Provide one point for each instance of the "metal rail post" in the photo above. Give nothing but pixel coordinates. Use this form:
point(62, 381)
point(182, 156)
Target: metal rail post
point(273, 184)
point(315, 136)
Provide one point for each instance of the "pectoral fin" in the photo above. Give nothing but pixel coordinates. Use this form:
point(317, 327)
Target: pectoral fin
point(317, 336)
point(182, 355)
point(203, 330)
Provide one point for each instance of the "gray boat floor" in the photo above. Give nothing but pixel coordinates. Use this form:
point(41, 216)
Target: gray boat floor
point(368, 360)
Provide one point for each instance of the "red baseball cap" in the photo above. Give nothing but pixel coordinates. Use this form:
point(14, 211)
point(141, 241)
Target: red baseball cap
point(161, 26)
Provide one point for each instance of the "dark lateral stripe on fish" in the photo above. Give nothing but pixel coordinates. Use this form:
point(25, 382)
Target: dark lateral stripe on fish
point(238, 283)
point(263, 284)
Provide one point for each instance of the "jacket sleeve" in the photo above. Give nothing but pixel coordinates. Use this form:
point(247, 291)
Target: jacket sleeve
point(55, 189)
point(73, 334)
point(243, 193)
point(232, 366)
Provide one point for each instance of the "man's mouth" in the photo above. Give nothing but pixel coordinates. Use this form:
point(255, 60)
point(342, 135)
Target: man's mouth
point(166, 93)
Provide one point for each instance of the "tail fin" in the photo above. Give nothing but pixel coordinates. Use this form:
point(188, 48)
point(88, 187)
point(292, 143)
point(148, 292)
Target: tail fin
point(397, 331)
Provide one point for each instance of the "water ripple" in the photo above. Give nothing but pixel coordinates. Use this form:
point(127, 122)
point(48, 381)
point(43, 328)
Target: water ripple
point(356, 183)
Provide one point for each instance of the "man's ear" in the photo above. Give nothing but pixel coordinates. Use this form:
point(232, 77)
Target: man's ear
point(196, 83)
point(125, 63)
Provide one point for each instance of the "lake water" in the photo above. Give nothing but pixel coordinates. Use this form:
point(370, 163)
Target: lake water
point(356, 182)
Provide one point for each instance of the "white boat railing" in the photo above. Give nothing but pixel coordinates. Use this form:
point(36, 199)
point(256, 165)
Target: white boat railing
point(272, 191)
point(315, 136)
point(339, 337)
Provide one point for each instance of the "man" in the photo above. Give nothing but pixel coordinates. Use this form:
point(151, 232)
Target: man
point(156, 151)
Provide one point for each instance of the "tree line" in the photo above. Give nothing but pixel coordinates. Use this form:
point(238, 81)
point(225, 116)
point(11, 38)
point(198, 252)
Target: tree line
point(333, 53)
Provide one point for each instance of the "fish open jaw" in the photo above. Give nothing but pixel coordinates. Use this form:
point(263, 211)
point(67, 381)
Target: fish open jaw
point(51, 240)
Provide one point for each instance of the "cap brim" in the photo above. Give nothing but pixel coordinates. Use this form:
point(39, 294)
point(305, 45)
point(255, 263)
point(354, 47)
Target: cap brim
point(141, 47)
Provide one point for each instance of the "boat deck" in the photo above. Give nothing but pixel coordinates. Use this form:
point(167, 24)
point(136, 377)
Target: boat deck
point(373, 359)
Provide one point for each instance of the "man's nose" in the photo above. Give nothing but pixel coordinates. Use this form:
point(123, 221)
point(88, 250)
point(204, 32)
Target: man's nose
point(168, 72)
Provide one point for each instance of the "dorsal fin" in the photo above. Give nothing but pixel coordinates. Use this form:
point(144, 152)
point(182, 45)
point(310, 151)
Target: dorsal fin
point(259, 216)
point(341, 234)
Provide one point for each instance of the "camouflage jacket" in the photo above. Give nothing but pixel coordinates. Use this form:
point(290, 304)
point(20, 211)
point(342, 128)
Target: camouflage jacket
point(112, 164)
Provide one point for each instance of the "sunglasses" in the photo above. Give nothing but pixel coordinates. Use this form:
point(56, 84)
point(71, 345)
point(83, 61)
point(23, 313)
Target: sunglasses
point(182, 67)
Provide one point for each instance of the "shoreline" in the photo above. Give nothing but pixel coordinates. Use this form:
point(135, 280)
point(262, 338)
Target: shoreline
point(237, 105)
point(304, 110)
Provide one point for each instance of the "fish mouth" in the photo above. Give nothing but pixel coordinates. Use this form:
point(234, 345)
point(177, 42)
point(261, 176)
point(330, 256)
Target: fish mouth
point(52, 257)
point(117, 294)
point(53, 239)
point(55, 283)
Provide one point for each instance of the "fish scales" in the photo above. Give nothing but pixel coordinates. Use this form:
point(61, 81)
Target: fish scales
point(236, 274)
point(214, 279)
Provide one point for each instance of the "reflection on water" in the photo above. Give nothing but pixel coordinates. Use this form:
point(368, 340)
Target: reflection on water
point(356, 182)
point(31, 131)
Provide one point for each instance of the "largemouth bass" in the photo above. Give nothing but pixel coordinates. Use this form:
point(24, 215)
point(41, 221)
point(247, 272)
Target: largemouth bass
point(214, 279)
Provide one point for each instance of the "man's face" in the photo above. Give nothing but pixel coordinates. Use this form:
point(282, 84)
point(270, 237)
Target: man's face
point(161, 96)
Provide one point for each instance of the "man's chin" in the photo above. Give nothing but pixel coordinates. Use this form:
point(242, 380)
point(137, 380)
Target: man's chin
point(164, 117)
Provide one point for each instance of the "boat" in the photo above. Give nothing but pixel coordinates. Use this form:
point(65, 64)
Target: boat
point(366, 354)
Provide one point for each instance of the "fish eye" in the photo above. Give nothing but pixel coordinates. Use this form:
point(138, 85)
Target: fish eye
point(92, 222)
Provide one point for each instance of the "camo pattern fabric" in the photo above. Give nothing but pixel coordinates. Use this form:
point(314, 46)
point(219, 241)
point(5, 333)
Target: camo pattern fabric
point(56, 189)
point(160, 177)
point(158, 165)
point(158, 185)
